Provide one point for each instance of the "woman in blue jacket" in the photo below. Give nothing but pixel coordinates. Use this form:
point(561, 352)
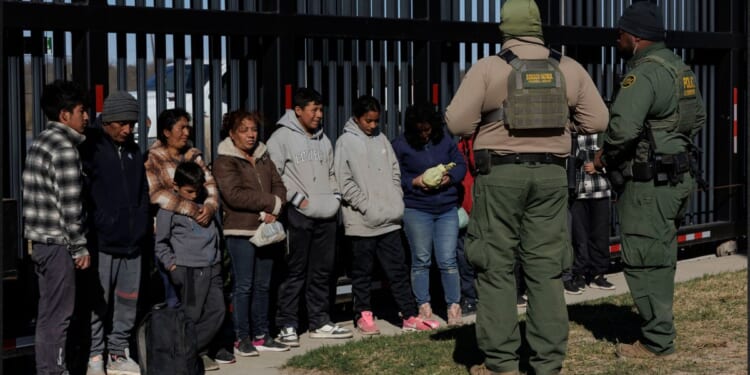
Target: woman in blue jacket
point(430, 216)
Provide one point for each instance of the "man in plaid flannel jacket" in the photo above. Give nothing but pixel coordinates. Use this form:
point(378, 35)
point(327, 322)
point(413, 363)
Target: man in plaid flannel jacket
point(54, 218)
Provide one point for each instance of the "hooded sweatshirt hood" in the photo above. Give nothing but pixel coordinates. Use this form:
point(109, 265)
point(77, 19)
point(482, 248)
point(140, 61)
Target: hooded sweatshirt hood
point(290, 121)
point(227, 148)
point(305, 163)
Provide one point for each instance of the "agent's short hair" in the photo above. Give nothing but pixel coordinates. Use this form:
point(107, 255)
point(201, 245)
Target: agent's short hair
point(304, 96)
point(62, 95)
point(166, 121)
point(364, 104)
point(189, 173)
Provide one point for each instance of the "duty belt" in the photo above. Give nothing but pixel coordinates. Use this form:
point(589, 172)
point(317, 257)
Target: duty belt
point(541, 158)
point(665, 168)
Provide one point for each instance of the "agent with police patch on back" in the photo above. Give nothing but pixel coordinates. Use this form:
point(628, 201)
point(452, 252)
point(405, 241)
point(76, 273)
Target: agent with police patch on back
point(648, 147)
point(524, 103)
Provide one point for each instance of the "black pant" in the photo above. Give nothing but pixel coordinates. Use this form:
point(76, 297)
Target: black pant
point(57, 292)
point(590, 227)
point(465, 270)
point(309, 265)
point(200, 293)
point(520, 279)
point(389, 251)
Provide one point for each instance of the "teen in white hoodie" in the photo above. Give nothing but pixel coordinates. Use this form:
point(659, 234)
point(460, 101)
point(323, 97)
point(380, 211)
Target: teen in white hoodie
point(370, 181)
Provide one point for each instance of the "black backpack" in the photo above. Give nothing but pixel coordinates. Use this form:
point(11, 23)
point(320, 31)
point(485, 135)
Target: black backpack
point(167, 343)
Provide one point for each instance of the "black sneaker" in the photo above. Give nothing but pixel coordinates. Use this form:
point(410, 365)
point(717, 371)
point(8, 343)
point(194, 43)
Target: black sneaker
point(600, 282)
point(571, 287)
point(468, 308)
point(224, 357)
point(579, 281)
point(266, 344)
point(245, 348)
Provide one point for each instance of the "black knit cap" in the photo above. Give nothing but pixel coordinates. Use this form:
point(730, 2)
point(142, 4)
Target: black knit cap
point(643, 19)
point(120, 106)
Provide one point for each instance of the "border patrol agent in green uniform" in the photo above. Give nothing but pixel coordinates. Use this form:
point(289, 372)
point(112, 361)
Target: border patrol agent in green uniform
point(521, 105)
point(648, 148)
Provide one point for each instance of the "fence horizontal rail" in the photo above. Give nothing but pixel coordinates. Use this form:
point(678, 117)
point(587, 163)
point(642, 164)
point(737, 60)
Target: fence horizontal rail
point(35, 16)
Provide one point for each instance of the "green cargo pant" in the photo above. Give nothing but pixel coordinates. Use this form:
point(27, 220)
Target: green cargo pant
point(520, 209)
point(649, 217)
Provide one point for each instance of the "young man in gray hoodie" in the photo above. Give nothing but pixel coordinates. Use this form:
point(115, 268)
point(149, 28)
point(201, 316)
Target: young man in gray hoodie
point(303, 156)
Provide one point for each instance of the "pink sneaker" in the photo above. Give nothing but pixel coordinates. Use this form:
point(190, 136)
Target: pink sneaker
point(366, 324)
point(418, 324)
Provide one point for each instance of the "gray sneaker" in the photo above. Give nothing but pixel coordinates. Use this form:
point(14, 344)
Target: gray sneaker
point(122, 365)
point(331, 331)
point(209, 364)
point(96, 367)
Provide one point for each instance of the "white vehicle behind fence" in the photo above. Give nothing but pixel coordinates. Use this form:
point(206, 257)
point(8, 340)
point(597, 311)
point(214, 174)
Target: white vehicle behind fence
point(151, 113)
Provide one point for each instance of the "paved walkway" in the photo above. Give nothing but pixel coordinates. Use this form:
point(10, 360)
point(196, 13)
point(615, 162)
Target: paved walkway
point(269, 363)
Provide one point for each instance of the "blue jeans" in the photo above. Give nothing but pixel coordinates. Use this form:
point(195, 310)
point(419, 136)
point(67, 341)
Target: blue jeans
point(425, 230)
point(251, 272)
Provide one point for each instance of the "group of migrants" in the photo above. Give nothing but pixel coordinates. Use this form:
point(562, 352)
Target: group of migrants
point(494, 209)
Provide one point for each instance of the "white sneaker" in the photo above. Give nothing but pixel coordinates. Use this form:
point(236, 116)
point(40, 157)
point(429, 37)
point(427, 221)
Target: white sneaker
point(331, 331)
point(288, 336)
point(96, 366)
point(122, 365)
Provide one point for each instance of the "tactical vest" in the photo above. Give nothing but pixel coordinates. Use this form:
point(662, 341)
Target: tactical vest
point(684, 117)
point(537, 97)
point(648, 162)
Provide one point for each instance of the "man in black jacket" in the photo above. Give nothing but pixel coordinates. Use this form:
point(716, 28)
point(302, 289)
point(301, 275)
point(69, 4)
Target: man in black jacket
point(118, 206)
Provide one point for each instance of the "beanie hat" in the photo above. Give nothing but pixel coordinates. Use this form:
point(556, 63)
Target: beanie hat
point(643, 19)
point(520, 18)
point(120, 106)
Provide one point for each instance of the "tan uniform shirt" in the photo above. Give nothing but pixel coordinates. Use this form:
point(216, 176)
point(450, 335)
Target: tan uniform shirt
point(485, 87)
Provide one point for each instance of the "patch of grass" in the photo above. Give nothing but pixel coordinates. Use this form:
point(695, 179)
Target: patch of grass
point(710, 315)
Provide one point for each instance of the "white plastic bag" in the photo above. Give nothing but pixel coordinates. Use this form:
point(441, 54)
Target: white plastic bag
point(463, 218)
point(268, 233)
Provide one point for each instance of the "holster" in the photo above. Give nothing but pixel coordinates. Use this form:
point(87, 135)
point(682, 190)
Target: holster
point(483, 161)
point(619, 175)
point(670, 168)
point(643, 171)
point(695, 168)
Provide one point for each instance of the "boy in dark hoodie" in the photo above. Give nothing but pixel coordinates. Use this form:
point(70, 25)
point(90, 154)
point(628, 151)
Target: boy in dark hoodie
point(303, 156)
